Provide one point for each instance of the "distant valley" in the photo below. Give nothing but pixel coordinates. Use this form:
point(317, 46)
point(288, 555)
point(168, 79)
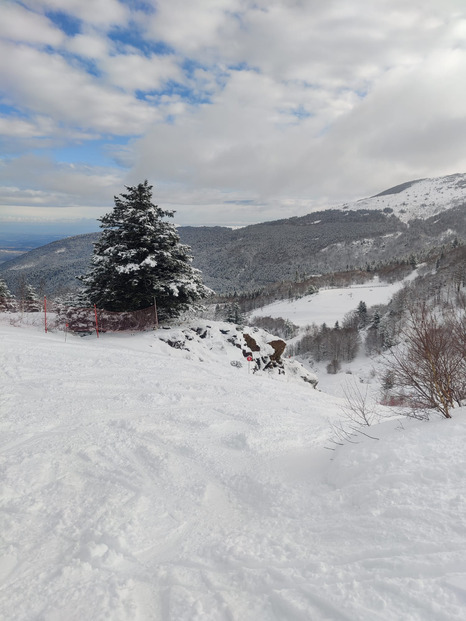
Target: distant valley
point(13, 245)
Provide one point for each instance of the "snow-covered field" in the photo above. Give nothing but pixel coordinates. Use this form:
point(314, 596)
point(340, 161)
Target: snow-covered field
point(331, 305)
point(142, 482)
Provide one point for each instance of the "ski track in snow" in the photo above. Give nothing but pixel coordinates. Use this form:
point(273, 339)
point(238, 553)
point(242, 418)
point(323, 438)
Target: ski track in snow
point(139, 484)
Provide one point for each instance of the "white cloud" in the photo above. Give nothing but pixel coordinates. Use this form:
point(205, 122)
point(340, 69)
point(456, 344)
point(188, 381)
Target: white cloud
point(92, 46)
point(302, 101)
point(72, 183)
point(54, 191)
point(192, 27)
point(46, 84)
point(134, 71)
point(22, 128)
point(19, 24)
point(102, 13)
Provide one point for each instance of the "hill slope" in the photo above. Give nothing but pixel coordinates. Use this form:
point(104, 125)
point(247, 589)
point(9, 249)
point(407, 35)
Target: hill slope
point(403, 220)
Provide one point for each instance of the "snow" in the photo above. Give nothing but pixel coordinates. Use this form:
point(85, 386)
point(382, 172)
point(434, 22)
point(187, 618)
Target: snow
point(127, 268)
point(149, 261)
point(139, 481)
point(331, 305)
point(22, 267)
point(422, 199)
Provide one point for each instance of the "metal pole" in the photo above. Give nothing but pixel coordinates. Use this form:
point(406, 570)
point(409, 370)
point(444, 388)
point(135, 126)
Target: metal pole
point(45, 313)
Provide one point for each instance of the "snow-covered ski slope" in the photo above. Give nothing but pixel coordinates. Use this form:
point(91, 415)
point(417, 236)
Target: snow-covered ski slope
point(139, 482)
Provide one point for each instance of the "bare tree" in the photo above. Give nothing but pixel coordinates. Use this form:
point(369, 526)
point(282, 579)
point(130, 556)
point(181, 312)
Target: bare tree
point(428, 366)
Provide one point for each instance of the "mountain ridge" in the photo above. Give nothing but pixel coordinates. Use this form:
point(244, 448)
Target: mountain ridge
point(408, 218)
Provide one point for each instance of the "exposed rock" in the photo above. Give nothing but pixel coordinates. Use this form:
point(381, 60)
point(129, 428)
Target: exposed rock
point(176, 344)
point(251, 342)
point(265, 350)
point(278, 347)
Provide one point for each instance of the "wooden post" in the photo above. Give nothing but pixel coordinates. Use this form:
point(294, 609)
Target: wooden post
point(156, 315)
point(96, 321)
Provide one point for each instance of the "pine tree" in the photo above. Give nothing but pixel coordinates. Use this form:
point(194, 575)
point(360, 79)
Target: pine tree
point(139, 257)
point(30, 300)
point(7, 300)
point(362, 313)
point(376, 320)
point(234, 314)
point(4, 291)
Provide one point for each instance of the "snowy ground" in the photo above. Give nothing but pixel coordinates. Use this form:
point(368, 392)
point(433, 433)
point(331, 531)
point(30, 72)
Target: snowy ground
point(420, 199)
point(331, 305)
point(139, 482)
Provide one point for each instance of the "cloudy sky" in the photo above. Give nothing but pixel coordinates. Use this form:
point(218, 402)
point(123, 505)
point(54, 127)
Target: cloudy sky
point(237, 111)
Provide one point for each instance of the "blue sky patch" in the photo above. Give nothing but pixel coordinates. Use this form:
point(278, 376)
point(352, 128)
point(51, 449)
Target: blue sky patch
point(70, 25)
point(11, 111)
point(134, 38)
point(90, 153)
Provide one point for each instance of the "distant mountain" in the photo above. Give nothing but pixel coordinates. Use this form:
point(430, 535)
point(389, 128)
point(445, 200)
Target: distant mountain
point(406, 219)
point(51, 268)
point(419, 199)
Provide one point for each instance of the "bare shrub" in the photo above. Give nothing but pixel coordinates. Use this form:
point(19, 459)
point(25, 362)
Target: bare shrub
point(428, 367)
point(359, 408)
point(333, 367)
point(358, 413)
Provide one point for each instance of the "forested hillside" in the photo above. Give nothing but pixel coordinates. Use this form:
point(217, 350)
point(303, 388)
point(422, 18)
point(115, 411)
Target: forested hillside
point(396, 224)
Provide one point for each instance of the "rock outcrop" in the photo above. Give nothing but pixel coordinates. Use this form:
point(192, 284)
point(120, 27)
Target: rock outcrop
point(262, 351)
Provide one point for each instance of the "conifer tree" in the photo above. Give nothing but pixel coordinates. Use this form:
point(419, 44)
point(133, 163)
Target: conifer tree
point(234, 314)
point(139, 258)
point(362, 314)
point(30, 300)
point(4, 291)
point(7, 300)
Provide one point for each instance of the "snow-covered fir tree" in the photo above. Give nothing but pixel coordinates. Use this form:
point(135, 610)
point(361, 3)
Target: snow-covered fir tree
point(30, 300)
point(4, 291)
point(7, 300)
point(139, 258)
point(234, 314)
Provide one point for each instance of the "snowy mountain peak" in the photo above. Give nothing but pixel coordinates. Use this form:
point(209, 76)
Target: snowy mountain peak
point(418, 199)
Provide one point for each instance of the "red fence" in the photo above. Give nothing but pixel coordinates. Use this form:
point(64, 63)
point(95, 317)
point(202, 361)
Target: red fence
point(80, 320)
point(90, 319)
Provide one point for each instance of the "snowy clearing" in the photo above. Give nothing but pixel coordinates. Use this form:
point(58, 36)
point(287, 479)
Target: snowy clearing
point(139, 482)
point(331, 305)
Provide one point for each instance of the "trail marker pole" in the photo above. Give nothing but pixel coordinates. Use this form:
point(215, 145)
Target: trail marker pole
point(96, 321)
point(249, 359)
point(45, 313)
